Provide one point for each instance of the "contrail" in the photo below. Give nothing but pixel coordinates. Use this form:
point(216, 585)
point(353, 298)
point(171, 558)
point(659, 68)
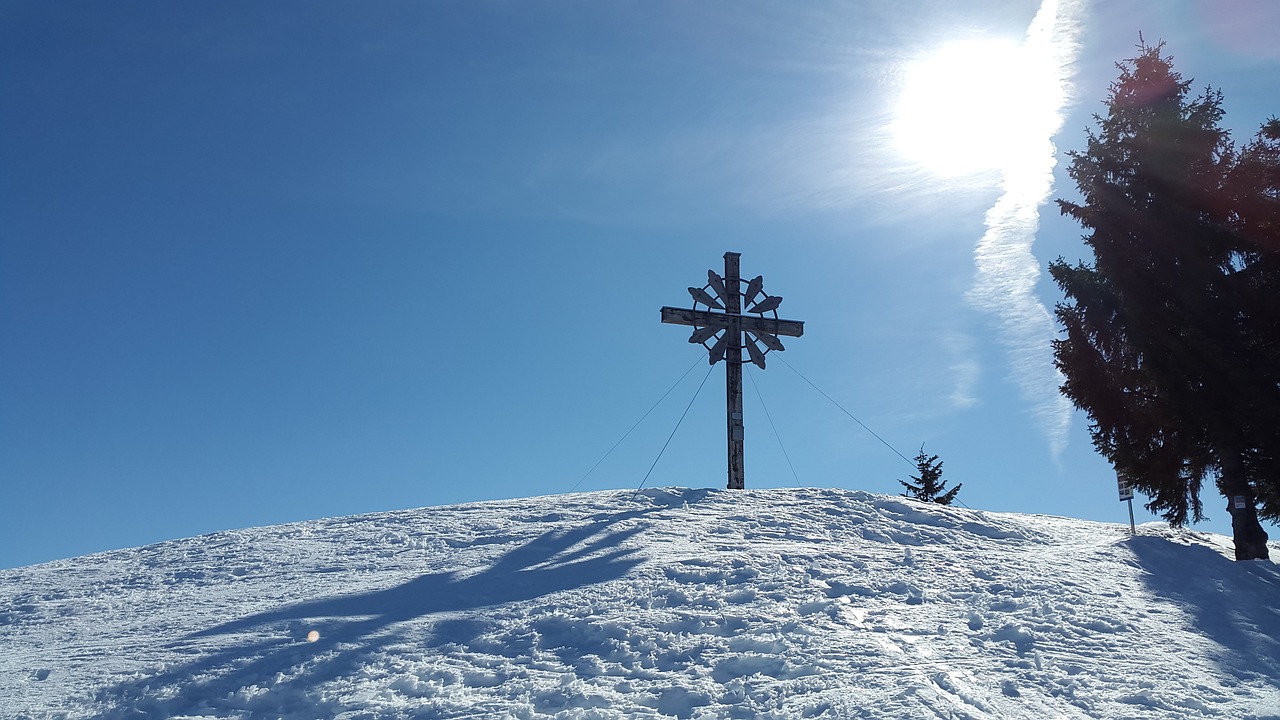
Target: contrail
point(1006, 269)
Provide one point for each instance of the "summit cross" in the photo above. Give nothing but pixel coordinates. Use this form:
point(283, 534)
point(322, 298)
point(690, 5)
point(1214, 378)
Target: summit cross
point(726, 330)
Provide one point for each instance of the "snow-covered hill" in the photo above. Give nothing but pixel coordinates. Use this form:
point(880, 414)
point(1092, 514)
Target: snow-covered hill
point(670, 602)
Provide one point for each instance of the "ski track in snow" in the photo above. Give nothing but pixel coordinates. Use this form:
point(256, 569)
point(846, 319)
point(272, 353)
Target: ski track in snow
point(662, 603)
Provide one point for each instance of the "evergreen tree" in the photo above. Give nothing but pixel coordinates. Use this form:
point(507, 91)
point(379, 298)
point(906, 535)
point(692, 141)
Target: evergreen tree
point(929, 485)
point(1254, 190)
point(1167, 344)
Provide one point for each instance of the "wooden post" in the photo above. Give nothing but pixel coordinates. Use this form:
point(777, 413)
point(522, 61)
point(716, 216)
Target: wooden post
point(1126, 494)
point(733, 371)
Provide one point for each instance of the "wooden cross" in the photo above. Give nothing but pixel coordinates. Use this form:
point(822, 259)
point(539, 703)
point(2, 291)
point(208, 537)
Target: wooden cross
point(724, 321)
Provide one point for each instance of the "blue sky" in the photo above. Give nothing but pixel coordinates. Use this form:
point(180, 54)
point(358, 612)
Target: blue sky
point(263, 262)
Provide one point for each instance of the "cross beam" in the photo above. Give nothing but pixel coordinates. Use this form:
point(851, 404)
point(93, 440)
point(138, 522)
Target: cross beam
point(754, 325)
point(728, 327)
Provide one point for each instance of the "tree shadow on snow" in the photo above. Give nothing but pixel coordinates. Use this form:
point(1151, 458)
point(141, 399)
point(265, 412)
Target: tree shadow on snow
point(351, 626)
point(1235, 604)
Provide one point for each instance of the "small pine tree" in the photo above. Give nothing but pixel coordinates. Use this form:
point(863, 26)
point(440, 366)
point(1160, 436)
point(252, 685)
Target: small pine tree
point(931, 487)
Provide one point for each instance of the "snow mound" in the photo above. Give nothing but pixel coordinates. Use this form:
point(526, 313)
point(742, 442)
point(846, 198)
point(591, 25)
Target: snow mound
point(660, 603)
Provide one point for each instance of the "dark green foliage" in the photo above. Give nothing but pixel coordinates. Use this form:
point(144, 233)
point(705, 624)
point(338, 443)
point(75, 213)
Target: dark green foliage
point(929, 485)
point(1172, 334)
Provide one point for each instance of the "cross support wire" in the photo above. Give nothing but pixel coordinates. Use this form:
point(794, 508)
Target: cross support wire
point(725, 329)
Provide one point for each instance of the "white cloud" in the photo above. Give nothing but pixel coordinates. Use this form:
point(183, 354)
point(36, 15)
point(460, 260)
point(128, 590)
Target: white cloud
point(1006, 269)
point(963, 370)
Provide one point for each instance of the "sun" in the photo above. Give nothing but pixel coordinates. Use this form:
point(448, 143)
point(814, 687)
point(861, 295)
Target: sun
point(973, 107)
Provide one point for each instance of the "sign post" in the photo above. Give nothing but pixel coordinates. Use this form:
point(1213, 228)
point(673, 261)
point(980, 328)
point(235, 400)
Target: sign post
point(734, 319)
point(1126, 495)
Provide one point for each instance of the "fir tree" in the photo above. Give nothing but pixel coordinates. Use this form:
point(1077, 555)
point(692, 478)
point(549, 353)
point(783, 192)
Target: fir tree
point(1170, 337)
point(929, 485)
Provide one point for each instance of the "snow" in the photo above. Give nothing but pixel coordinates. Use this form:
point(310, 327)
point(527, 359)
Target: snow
point(661, 603)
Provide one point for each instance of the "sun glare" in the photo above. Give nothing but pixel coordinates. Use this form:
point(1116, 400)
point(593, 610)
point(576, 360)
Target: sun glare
point(973, 107)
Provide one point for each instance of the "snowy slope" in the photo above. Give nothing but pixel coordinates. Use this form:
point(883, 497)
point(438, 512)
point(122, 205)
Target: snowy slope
point(671, 602)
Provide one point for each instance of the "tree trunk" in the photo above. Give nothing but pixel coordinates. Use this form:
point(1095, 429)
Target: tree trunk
point(1250, 539)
